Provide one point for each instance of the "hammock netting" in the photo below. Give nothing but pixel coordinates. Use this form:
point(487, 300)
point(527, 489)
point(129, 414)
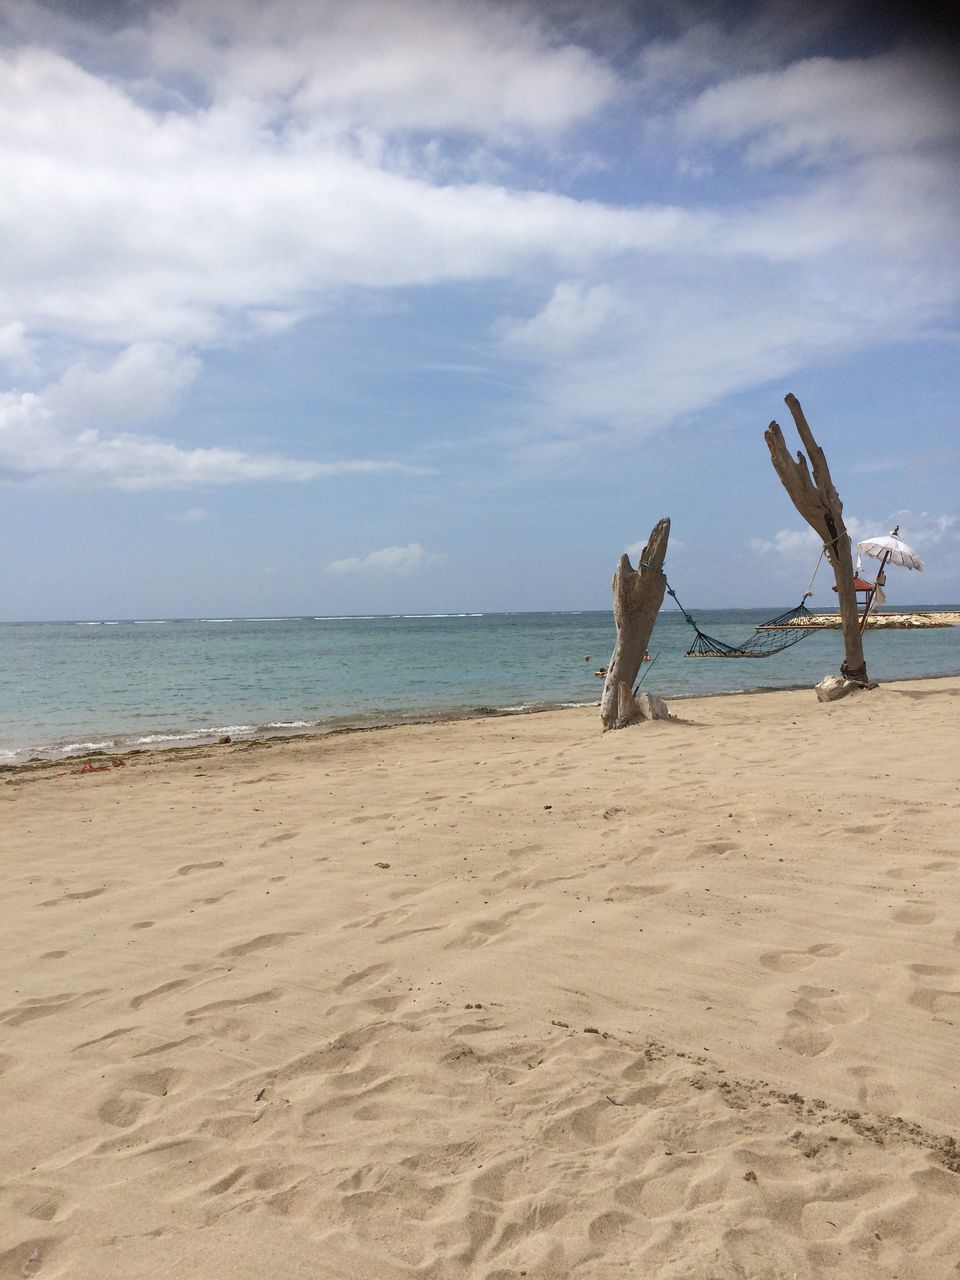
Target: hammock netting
point(770, 637)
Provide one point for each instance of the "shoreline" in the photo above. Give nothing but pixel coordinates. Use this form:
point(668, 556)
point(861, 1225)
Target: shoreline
point(150, 687)
point(39, 763)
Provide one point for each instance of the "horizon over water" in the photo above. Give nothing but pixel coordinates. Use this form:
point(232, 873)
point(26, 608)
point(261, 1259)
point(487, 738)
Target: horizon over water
point(68, 688)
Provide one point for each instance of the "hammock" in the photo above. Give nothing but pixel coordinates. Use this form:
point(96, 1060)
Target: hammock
point(770, 637)
point(773, 636)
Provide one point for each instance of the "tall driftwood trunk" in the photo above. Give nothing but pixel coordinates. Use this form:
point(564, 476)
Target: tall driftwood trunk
point(819, 503)
point(637, 597)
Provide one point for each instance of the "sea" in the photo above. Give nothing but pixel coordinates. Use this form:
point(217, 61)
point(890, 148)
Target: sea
point(70, 688)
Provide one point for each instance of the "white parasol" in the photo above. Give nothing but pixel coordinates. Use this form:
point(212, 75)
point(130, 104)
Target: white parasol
point(890, 549)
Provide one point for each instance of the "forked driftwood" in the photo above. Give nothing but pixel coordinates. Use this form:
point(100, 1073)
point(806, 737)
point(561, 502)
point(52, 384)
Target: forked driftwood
point(819, 503)
point(637, 597)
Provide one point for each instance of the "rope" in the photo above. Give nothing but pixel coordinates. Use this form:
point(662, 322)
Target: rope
point(648, 670)
point(809, 591)
point(763, 643)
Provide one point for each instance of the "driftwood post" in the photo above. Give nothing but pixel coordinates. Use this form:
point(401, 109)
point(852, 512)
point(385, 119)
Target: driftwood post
point(637, 597)
point(819, 503)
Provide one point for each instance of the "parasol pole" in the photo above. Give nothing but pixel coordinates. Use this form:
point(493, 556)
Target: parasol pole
point(873, 594)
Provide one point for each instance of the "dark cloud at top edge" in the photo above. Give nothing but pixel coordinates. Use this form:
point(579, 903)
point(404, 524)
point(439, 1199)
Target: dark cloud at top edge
point(932, 25)
point(112, 37)
point(751, 34)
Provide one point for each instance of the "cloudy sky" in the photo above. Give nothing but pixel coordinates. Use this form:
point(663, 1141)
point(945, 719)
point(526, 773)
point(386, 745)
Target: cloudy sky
point(424, 305)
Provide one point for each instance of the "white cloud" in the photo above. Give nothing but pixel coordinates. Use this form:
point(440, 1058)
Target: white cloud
point(828, 109)
point(746, 295)
point(16, 352)
point(262, 160)
point(33, 448)
point(141, 383)
point(48, 436)
point(383, 65)
point(576, 313)
point(903, 205)
point(924, 530)
point(185, 227)
point(392, 561)
point(789, 544)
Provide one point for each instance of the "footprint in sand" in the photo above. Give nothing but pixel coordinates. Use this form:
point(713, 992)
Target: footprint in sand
point(259, 943)
point(916, 873)
point(608, 1226)
point(279, 839)
point(189, 867)
point(807, 1030)
point(409, 933)
point(715, 849)
point(393, 914)
point(80, 896)
point(590, 1124)
point(367, 976)
point(628, 892)
point(788, 961)
point(166, 1046)
point(43, 1203)
point(282, 1189)
point(156, 992)
point(110, 1035)
point(372, 987)
point(873, 1093)
point(525, 850)
point(235, 1124)
point(483, 932)
point(212, 901)
point(914, 912)
point(27, 1257)
point(927, 995)
point(217, 1006)
point(937, 1000)
point(47, 1006)
point(124, 1107)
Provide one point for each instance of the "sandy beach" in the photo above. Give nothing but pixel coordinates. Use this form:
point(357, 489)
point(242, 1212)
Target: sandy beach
point(494, 998)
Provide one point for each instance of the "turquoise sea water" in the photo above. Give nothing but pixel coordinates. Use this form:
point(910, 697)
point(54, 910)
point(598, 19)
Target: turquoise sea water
point(69, 687)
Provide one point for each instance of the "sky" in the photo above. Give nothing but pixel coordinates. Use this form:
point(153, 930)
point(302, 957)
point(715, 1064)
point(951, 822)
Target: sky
point(439, 305)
